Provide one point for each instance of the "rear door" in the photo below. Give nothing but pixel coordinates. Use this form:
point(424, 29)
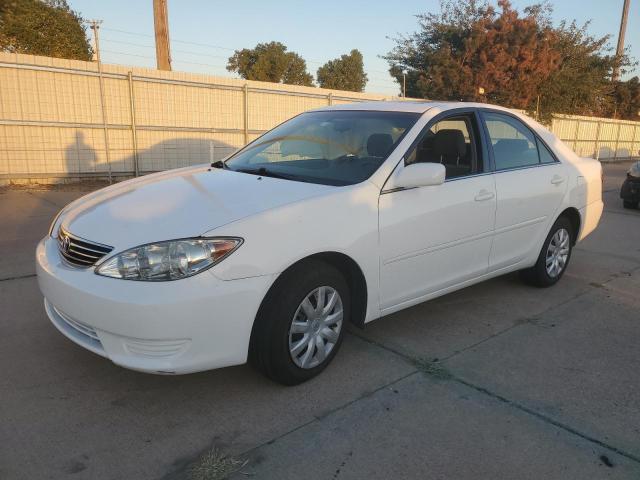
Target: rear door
point(530, 185)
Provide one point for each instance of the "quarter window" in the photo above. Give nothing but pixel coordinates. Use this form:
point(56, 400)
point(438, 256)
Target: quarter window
point(514, 145)
point(545, 154)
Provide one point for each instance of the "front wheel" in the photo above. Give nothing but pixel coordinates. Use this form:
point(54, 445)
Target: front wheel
point(301, 323)
point(554, 256)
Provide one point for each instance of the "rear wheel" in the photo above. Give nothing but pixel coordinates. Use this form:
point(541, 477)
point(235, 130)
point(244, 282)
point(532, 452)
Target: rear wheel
point(554, 256)
point(627, 204)
point(301, 323)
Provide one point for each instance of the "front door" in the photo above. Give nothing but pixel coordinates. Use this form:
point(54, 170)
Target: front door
point(435, 237)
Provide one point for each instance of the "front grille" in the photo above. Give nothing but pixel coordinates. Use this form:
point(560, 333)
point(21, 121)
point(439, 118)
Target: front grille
point(79, 251)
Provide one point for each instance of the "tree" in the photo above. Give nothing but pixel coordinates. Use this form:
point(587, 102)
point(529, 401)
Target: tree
point(627, 99)
point(515, 57)
point(270, 62)
point(470, 45)
point(344, 73)
point(581, 83)
point(43, 27)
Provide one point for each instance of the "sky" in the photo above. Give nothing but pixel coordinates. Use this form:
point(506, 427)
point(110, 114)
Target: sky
point(204, 34)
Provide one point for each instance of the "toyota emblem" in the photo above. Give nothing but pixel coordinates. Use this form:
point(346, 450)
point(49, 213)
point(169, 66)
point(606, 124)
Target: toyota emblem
point(65, 243)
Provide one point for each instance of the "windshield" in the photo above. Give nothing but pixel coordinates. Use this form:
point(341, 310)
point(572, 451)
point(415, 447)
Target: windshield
point(338, 147)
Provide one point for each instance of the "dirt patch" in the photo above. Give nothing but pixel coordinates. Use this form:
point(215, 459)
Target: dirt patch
point(215, 465)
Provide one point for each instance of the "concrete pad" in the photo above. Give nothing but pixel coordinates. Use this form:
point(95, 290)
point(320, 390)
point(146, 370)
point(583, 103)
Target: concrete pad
point(596, 268)
point(566, 355)
point(26, 217)
point(455, 322)
point(25, 220)
point(617, 235)
point(626, 288)
point(60, 198)
point(614, 174)
point(578, 364)
point(22, 204)
point(421, 428)
point(66, 410)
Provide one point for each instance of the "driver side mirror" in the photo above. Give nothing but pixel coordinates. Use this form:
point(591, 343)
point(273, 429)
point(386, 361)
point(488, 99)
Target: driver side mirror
point(418, 175)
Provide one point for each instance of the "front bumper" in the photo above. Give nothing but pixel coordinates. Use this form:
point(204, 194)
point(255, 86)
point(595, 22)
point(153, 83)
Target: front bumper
point(198, 323)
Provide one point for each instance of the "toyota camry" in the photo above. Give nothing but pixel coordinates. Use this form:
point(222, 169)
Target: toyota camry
point(339, 215)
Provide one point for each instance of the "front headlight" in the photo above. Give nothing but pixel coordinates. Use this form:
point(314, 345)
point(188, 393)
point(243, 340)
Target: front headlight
point(172, 260)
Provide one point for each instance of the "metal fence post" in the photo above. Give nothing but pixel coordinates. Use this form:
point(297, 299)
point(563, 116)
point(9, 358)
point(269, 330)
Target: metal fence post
point(330, 98)
point(633, 140)
point(575, 136)
point(597, 152)
point(615, 154)
point(246, 113)
point(134, 136)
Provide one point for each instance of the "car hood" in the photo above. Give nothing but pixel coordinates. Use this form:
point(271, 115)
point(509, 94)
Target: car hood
point(177, 204)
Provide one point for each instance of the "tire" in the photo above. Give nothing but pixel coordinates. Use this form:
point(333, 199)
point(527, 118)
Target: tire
point(539, 275)
point(273, 337)
point(627, 204)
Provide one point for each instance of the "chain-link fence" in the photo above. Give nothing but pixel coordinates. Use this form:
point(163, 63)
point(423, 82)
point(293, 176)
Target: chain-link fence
point(62, 118)
point(600, 138)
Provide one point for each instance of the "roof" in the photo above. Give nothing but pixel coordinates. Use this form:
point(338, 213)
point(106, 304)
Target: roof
point(407, 106)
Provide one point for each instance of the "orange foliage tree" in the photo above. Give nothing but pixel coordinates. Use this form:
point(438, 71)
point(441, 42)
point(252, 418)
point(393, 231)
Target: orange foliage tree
point(518, 59)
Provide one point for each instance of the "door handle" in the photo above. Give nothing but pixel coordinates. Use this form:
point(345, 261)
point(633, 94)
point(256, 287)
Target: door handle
point(484, 195)
point(557, 180)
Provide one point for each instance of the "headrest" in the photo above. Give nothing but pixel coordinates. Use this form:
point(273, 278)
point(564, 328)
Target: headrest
point(379, 144)
point(449, 143)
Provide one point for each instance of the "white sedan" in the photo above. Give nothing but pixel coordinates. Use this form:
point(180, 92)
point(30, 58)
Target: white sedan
point(343, 214)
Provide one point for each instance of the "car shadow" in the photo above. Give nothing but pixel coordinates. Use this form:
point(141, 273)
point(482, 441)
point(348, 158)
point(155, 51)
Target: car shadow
point(82, 159)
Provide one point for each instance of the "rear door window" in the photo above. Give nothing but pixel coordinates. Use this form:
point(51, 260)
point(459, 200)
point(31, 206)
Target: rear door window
point(513, 144)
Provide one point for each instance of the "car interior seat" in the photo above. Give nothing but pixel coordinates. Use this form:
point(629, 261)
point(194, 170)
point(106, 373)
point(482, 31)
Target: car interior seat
point(513, 152)
point(450, 149)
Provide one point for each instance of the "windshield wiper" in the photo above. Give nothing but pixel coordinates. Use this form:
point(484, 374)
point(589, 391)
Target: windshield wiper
point(262, 171)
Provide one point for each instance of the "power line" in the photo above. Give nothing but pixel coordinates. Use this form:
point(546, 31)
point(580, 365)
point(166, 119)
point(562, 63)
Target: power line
point(174, 51)
point(371, 79)
point(386, 83)
point(209, 45)
point(148, 57)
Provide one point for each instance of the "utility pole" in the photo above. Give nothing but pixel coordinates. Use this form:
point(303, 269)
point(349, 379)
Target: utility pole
point(620, 48)
point(161, 25)
point(95, 26)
